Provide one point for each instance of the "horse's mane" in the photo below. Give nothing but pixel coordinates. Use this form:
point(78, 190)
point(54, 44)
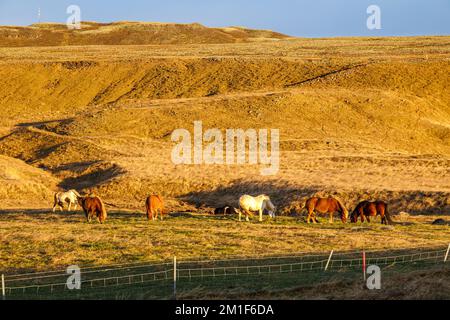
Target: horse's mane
point(76, 193)
point(103, 206)
point(341, 205)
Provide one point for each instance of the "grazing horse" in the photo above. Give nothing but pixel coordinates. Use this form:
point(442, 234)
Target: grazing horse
point(70, 197)
point(153, 206)
point(93, 206)
point(367, 209)
point(325, 205)
point(225, 210)
point(249, 204)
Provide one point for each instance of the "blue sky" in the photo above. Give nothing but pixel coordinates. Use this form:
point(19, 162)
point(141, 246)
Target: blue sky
point(304, 18)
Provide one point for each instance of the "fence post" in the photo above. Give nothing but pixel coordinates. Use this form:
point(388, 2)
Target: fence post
point(3, 287)
point(329, 260)
point(175, 278)
point(446, 255)
point(364, 265)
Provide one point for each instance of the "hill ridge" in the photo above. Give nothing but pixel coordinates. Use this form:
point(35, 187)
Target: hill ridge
point(129, 33)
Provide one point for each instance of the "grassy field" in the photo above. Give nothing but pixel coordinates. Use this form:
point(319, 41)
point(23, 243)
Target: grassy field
point(399, 282)
point(39, 240)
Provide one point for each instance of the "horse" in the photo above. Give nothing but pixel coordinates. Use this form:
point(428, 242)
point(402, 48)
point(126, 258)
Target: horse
point(70, 197)
point(225, 211)
point(249, 204)
point(93, 206)
point(325, 205)
point(367, 209)
point(154, 205)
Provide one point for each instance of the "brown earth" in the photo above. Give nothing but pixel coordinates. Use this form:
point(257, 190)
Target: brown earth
point(360, 118)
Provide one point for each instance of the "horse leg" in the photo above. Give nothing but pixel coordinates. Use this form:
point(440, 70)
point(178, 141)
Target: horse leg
point(161, 214)
point(331, 217)
point(70, 203)
point(100, 216)
point(308, 220)
point(150, 216)
point(315, 218)
point(260, 215)
point(247, 215)
point(368, 219)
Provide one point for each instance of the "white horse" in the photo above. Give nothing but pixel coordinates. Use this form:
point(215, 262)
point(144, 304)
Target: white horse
point(70, 197)
point(249, 204)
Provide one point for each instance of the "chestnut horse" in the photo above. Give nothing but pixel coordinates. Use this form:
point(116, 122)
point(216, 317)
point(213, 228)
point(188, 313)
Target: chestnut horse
point(324, 206)
point(367, 209)
point(153, 206)
point(93, 206)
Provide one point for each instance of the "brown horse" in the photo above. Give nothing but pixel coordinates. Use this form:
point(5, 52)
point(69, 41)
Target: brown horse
point(93, 206)
point(367, 209)
point(154, 205)
point(325, 205)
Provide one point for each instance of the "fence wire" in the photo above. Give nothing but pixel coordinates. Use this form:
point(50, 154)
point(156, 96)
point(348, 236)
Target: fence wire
point(146, 273)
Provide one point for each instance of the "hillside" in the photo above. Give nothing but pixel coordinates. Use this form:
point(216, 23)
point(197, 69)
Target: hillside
point(22, 183)
point(360, 118)
point(127, 33)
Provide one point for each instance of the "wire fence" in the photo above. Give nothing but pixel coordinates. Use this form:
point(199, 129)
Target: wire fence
point(137, 274)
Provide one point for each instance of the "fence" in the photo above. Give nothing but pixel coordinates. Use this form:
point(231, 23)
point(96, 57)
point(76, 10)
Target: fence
point(188, 270)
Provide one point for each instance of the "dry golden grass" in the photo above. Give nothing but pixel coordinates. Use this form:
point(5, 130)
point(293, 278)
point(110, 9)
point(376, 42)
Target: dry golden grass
point(430, 284)
point(39, 240)
point(127, 32)
point(360, 118)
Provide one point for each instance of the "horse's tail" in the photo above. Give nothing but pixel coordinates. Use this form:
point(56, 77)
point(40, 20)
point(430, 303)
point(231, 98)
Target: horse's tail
point(388, 215)
point(304, 205)
point(147, 205)
point(55, 198)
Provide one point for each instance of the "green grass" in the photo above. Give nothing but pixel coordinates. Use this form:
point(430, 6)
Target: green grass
point(45, 241)
point(346, 283)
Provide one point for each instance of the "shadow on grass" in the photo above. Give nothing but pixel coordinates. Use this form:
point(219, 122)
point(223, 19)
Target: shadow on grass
point(229, 195)
point(101, 173)
point(290, 198)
